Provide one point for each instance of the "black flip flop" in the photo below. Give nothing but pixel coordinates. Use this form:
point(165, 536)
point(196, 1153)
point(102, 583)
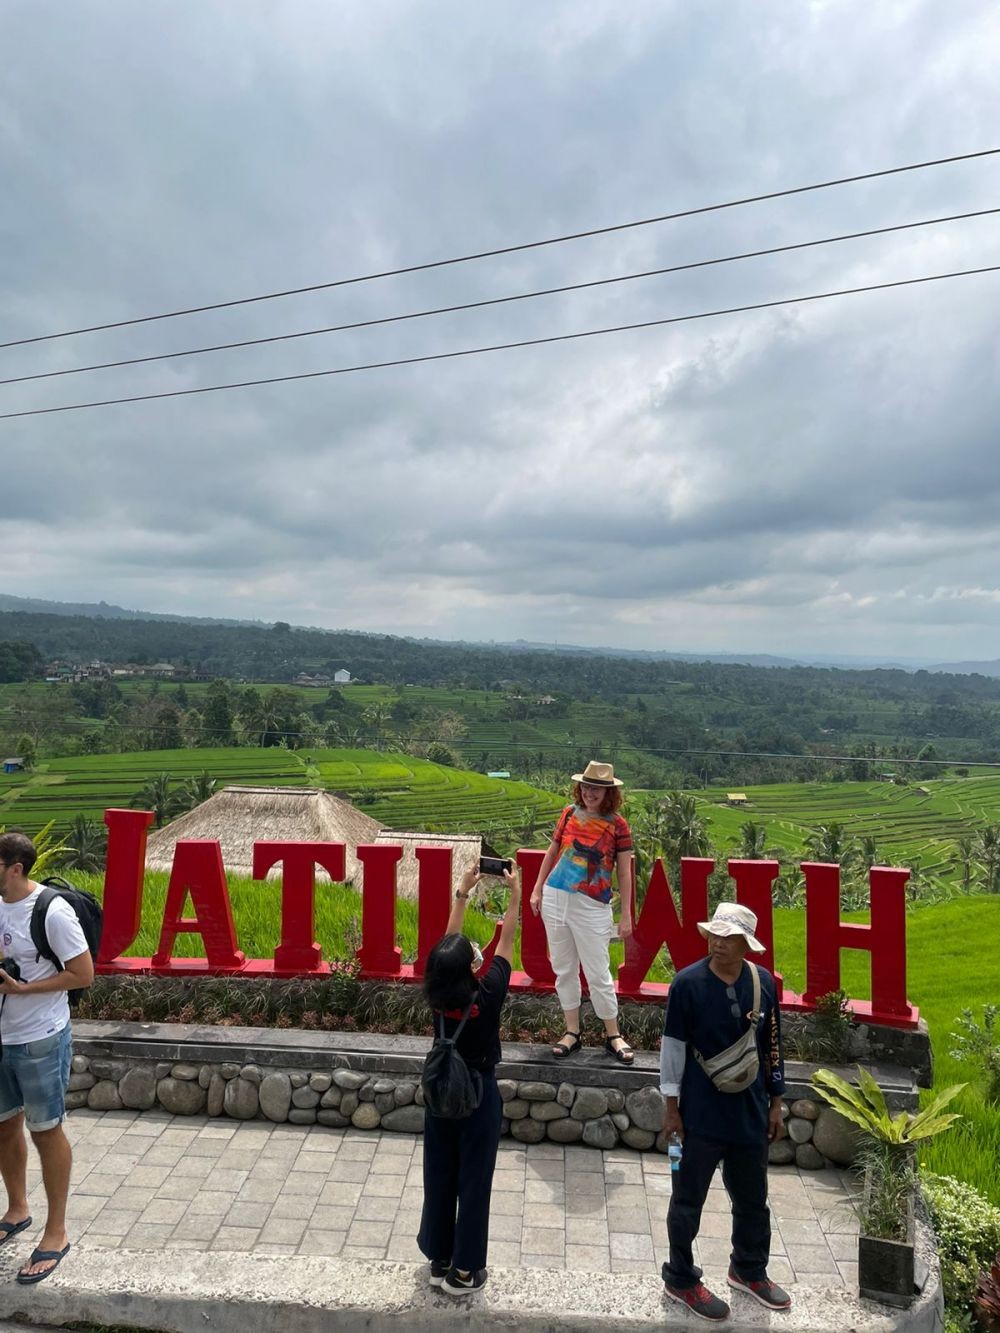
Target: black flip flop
point(8, 1230)
point(39, 1257)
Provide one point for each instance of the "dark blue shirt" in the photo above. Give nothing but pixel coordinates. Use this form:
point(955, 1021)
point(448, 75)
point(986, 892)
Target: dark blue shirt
point(699, 1013)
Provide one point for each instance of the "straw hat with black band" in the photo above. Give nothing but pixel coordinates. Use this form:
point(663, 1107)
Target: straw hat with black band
point(598, 775)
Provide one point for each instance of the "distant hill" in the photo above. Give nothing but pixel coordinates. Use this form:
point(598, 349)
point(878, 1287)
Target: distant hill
point(991, 669)
point(108, 611)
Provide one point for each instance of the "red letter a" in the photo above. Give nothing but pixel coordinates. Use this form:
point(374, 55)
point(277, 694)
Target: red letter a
point(198, 869)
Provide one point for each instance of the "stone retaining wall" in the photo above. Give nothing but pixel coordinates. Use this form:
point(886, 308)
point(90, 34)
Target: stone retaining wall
point(600, 1117)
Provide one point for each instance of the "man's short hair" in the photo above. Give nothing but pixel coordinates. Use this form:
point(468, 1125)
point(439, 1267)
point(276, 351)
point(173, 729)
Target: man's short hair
point(16, 847)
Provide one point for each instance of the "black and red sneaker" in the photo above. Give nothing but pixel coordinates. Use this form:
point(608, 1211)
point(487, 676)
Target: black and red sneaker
point(699, 1300)
point(765, 1291)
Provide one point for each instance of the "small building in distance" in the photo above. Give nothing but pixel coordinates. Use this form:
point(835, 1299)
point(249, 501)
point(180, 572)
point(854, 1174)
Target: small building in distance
point(738, 799)
point(15, 765)
point(500, 773)
point(342, 677)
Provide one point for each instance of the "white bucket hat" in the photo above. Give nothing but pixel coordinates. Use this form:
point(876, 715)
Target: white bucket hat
point(733, 919)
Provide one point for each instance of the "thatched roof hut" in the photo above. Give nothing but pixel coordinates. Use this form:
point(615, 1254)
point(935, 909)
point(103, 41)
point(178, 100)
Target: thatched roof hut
point(466, 849)
point(237, 817)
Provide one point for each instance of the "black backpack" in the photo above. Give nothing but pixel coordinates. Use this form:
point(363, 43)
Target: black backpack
point(451, 1089)
point(88, 911)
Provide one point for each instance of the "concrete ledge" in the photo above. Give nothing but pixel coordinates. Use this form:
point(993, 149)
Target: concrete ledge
point(186, 1292)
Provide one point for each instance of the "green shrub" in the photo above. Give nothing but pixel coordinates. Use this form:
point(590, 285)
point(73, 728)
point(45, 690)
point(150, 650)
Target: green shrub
point(968, 1231)
point(978, 1044)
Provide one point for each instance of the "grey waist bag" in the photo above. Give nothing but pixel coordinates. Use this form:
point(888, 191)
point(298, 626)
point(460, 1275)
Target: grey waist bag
point(735, 1068)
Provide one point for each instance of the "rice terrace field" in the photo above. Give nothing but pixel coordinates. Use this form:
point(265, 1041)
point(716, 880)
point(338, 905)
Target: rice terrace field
point(399, 790)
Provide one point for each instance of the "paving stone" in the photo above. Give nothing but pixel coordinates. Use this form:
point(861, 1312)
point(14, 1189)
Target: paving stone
point(390, 1187)
point(503, 1228)
point(369, 1233)
point(811, 1259)
point(329, 1243)
point(626, 1245)
point(375, 1209)
point(588, 1258)
point(235, 1238)
point(542, 1240)
point(283, 1231)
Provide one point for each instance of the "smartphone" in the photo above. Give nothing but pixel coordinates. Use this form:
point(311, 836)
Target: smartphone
point(495, 865)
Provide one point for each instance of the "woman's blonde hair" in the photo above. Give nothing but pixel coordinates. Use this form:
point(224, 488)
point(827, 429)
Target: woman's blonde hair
point(611, 804)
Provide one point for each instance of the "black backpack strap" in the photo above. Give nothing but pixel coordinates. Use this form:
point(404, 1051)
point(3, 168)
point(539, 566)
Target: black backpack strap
point(39, 933)
point(465, 1018)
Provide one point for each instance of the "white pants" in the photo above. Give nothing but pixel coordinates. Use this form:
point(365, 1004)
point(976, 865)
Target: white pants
point(579, 931)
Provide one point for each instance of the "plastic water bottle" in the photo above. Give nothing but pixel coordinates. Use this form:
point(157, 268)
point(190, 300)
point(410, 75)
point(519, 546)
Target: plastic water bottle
point(674, 1149)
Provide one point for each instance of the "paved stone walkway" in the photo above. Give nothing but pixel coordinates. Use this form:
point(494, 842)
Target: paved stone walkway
point(153, 1181)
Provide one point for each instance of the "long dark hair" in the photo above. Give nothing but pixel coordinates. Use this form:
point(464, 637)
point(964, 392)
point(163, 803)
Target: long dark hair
point(448, 981)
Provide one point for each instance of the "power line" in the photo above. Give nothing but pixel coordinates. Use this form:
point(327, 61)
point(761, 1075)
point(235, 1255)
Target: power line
point(499, 300)
point(500, 347)
point(507, 249)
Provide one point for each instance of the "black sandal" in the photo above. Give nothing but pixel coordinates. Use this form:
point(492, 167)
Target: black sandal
point(561, 1052)
point(624, 1054)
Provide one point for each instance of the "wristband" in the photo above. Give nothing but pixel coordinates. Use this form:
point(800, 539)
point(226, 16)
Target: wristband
point(459, 894)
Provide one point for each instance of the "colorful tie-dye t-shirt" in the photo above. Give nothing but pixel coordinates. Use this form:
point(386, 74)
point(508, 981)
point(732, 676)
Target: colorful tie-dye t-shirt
point(588, 846)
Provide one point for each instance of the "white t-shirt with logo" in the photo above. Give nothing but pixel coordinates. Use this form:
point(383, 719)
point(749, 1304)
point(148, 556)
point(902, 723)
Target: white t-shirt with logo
point(30, 1017)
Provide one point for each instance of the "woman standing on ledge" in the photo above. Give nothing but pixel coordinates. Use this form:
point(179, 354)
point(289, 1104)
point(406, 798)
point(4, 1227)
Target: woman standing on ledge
point(573, 894)
point(460, 1155)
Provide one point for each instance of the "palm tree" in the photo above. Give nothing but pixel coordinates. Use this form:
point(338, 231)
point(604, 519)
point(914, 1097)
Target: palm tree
point(964, 859)
point(686, 833)
point(376, 715)
point(158, 795)
point(868, 851)
point(198, 789)
point(88, 844)
point(753, 841)
point(987, 851)
point(830, 843)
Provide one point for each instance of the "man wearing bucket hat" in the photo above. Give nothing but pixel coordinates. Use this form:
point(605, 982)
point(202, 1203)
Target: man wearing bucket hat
point(722, 1074)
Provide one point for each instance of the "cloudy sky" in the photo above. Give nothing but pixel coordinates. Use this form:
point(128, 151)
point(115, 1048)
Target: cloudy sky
point(814, 478)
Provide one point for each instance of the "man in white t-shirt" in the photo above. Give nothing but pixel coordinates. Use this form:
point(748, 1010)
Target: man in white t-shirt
point(35, 1044)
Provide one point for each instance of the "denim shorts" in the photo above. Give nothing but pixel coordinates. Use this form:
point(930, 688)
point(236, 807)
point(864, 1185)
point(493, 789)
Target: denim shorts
point(33, 1079)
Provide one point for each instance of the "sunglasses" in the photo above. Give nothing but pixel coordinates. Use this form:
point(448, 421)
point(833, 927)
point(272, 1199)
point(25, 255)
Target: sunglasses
point(734, 1007)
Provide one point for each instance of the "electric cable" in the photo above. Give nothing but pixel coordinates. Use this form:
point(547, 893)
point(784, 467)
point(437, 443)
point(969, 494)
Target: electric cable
point(500, 347)
point(507, 249)
point(497, 300)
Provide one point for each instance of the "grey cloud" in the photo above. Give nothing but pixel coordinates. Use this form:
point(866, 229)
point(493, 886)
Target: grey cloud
point(799, 477)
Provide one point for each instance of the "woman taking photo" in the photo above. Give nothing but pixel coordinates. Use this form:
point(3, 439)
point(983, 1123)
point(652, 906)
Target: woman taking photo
point(573, 894)
point(460, 1155)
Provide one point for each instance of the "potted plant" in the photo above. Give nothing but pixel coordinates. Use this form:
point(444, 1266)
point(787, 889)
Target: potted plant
point(888, 1159)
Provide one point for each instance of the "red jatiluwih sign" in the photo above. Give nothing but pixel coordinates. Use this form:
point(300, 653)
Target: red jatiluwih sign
point(198, 871)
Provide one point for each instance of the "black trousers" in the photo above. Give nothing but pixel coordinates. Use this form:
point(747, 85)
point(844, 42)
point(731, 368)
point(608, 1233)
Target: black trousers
point(459, 1160)
point(744, 1174)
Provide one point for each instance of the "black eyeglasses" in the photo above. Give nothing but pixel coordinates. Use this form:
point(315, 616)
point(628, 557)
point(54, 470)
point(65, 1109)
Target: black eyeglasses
point(734, 1007)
